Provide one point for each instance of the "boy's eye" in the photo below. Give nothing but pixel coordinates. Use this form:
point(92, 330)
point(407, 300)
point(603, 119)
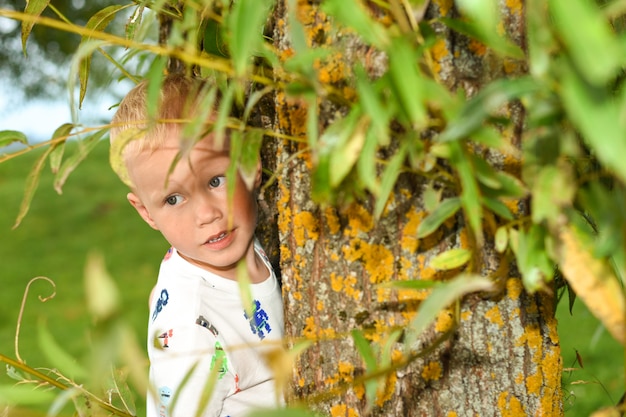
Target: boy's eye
point(217, 181)
point(173, 200)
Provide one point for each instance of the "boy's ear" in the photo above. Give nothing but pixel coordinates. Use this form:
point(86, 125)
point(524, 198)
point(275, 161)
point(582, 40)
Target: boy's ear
point(259, 174)
point(141, 209)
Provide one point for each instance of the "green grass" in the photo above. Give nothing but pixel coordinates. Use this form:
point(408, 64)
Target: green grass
point(60, 231)
point(600, 381)
point(55, 239)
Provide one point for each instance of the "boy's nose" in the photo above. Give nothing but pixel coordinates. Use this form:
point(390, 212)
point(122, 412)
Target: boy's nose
point(207, 210)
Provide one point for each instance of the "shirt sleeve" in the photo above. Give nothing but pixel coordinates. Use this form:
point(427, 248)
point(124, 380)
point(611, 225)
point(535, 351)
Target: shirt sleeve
point(185, 356)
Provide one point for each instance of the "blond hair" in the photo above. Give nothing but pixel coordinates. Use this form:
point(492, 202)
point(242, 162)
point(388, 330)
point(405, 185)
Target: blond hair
point(134, 130)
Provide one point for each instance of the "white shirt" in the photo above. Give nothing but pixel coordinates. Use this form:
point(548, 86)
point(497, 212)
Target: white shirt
point(198, 321)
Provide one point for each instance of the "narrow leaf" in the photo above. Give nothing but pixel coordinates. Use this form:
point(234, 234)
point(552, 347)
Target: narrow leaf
point(57, 357)
point(354, 16)
point(588, 37)
point(250, 156)
point(8, 137)
point(33, 8)
point(96, 23)
point(32, 181)
point(470, 195)
point(446, 209)
point(451, 259)
point(245, 29)
point(490, 99)
point(440, 298)
point(70, 163)
point(389, 179)
point(408, 82)
point(419, 284)
point(598, 118)
point(24, 395)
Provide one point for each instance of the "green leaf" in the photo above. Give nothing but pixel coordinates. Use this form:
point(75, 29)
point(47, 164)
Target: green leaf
point(597, 117)
point(123, 391)
point(32, 181)
point(501, 239)
point(8, 137)
point(489, 36)
point(532, 258)
point(245, 29)
point(97, 23)
point(389, 179)
point(353, 15)
point(490, 99)
point(343, 158)
point(250, 156)
point(498, 207)
point(56, 156)
point(408, 83)
point(470, 195)
point(366, 163)
point(419, 284)
point(69, 165)
point(554, 189)
point(57, 357)
point(134, 21)
point(451, 259)
point(100, 290)
point(33, 8)
point(155, 77)
point(367, 353)
point(440, 298)
point(446, 209)
point(588, 37)
point(539, 37)
point(373, 106)
point(25, 395)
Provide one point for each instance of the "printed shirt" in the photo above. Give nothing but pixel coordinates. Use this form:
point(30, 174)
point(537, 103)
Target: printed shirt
point(197, 323)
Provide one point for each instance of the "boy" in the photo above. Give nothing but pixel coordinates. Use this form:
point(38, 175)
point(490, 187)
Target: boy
point(200, 332)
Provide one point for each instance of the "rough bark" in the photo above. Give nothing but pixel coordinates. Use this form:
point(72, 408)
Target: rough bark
point(491, 356)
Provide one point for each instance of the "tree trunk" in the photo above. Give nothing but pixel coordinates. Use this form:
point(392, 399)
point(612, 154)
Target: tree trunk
point(486, 356)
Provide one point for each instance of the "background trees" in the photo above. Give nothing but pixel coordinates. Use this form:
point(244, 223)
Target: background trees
point(436, 170)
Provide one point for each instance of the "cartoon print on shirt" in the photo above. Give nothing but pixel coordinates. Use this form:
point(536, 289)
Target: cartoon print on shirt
point(164, 297)
point(166, 337)
point(165, 395)
point(259, 323)
point(202, 321)
point(220, 357)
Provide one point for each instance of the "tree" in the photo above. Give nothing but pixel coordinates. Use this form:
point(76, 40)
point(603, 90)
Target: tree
point(438, 171)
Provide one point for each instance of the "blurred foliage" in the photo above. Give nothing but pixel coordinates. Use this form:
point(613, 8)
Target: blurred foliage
point(37, 68)
point(569, 171)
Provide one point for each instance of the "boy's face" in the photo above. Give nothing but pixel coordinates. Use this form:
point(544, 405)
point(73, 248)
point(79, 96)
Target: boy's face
point(190, 206)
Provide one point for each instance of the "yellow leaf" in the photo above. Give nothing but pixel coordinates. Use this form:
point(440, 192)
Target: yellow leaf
point(593, 281)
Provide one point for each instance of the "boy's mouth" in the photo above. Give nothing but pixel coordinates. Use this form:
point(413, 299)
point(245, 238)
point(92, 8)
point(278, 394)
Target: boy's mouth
point(217, 238)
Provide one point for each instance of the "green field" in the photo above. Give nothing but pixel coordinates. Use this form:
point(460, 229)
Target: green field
point(92, 214)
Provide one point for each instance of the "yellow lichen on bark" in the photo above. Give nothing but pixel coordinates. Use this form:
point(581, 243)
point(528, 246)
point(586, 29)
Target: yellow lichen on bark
point(305, 227)
point(515, 6)
point(432, 371)
point(342, 410)
point(332, 221)
point(494, 316)
point(444, 6)
point(410, 242)
point(445, 321)
point(510, 406)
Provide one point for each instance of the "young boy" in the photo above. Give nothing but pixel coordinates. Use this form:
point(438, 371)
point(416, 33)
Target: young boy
point(200, 333)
